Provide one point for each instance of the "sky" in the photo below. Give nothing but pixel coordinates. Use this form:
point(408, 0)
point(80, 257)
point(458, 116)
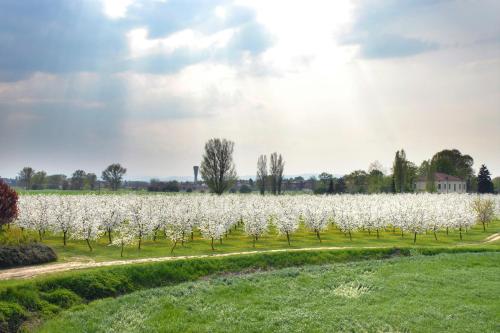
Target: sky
point(331, 85)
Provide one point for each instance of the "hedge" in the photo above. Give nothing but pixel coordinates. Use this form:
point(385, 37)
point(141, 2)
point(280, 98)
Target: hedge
point(25, 254)
point(43, 297)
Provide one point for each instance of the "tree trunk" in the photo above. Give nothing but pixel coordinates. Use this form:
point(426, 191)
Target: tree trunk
point(435, 235)
point(121, 253)
point(484, 227)
point(288, 238)
point(64, 237)
point(109, 236)
point(213, 244)
point(88, 243)
point(173, 247)
point(350, 236)
point(317, 235)
point(460, 230)
point(378, 236)
point(415, 238)
point(40, 235)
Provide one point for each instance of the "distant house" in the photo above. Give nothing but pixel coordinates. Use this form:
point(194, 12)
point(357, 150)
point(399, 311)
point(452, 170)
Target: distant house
point(443, 183)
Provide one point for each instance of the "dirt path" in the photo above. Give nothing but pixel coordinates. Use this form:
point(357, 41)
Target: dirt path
point(492, 238)
point(32, 271)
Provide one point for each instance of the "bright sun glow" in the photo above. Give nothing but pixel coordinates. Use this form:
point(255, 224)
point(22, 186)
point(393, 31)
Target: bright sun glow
point(220, 12)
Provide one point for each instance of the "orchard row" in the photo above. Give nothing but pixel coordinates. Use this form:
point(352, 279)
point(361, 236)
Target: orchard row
point(129, 219)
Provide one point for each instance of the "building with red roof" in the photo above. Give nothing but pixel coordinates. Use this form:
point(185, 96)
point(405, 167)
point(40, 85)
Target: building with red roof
point(443, 183)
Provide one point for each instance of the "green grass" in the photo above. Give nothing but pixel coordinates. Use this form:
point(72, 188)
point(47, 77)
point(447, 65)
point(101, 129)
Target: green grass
point(24, 302)
point(442, 293)
point(102, 191)
point(237, 241)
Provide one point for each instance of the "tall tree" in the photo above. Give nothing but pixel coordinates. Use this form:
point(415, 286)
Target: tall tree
point(357, 181)
point(277, 168)
point(375, 181)
point(376, 165)
point(484, 183)
point(26, 177)
point(427, 171)
point(91, 181)
point(217, 167)
point(39, 180)
point(452, 162)
point(340, 186)
point(404, 173)
point(331, 188)
point(262, 173)
point(322, 185)
point(55, 181)
point(113, 175)
point(496, 184)
point(78, 180)
point(399, 171)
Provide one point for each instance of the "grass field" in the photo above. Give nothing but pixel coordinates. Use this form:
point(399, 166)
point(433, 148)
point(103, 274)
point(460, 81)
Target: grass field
point(237, 241)
point(443, 293)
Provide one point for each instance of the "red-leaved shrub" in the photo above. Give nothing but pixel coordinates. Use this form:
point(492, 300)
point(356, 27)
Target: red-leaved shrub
point(8, 203)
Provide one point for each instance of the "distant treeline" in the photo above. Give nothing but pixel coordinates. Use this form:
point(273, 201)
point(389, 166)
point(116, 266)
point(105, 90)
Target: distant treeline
point(401, 178)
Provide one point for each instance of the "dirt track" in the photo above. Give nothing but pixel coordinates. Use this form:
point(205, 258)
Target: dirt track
point(32, 271)
point(492, 238)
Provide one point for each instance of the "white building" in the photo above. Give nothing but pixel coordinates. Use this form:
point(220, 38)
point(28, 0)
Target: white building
point(444, 184)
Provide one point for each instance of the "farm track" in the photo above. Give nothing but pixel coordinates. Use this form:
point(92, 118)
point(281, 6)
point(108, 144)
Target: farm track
point(33, 271)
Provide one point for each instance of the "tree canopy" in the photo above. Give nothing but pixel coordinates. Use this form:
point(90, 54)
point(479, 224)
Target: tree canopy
point(484, 183)
point(113, 175)
point(217, 167)
point(453, 163)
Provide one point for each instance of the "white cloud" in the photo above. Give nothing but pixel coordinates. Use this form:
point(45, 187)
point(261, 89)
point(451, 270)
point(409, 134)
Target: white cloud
point(141, 45)
point(116, 9)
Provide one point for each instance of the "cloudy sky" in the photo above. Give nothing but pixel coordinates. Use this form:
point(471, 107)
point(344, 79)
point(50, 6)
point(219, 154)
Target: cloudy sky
point(332, 85)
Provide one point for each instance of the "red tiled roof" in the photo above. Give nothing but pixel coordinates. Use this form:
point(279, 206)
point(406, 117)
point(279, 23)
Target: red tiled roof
point(442, 177)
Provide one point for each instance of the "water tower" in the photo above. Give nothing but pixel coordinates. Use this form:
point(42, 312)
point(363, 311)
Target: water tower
point(195, 169)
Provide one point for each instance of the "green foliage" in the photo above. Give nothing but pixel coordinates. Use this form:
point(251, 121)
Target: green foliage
point(217, 167)
point(245, 189)
point(25, 254)
point(357, 182)
point(92, 285)
point(113, 176)
point(452, 162)
point(63, 298)
point(484, 183)
point(39, 180)
point(404, 173)
point(12, 316)
point(496, 184)
point(15, 236)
